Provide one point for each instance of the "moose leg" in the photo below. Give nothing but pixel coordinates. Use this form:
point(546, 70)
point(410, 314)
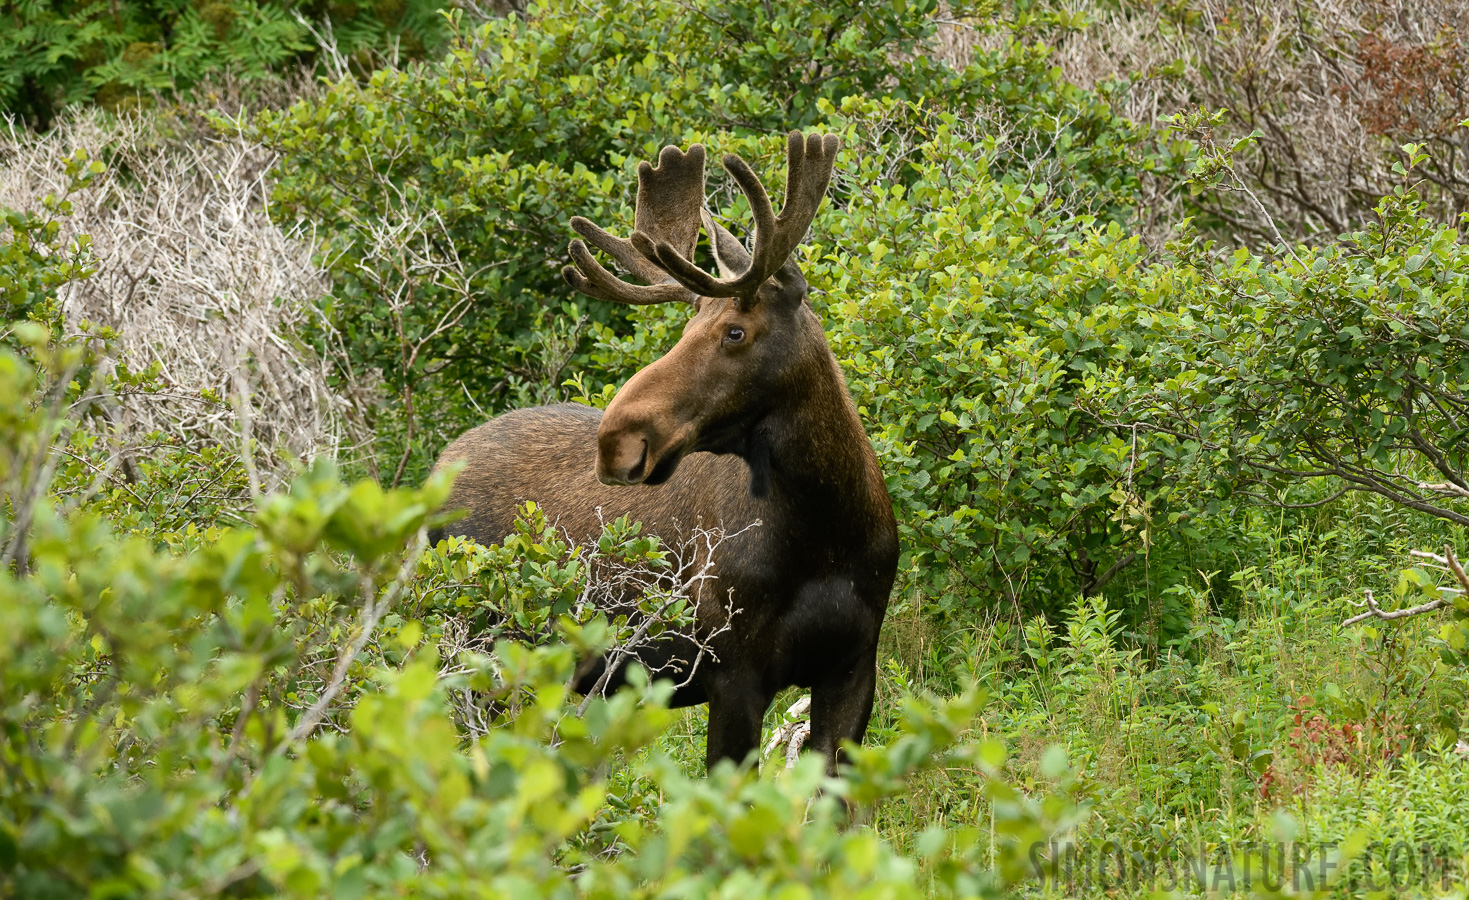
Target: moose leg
point(840, 708)
point(736, 712)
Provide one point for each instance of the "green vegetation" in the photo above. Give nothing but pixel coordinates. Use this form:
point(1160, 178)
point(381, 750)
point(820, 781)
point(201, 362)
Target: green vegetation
point(1146, 460)
point(57, 53)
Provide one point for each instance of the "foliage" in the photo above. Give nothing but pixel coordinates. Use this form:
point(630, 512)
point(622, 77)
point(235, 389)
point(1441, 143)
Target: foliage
point(972, 308)
point(442, 195)
point(35, 262)
point(1217, 721)
point(1348, 362)
point(1334, 88)
point(1120, 477)
point(168, 731)
point(55, 53)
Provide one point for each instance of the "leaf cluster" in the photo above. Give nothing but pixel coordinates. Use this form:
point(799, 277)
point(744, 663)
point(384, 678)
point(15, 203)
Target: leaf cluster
point(55, 53)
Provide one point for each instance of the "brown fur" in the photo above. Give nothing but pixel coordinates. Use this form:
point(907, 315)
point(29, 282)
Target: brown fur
point(721, 433)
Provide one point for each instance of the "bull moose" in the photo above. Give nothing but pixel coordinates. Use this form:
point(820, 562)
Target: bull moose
point(746, 420)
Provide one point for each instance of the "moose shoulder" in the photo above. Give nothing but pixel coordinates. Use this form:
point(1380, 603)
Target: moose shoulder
point(746, 420)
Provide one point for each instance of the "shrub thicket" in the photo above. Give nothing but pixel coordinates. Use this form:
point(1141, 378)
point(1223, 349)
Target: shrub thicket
point(456, 182)
point(56, 53)
point(1139, 489)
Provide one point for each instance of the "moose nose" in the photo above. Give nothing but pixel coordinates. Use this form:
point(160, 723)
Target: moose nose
point(622, 458)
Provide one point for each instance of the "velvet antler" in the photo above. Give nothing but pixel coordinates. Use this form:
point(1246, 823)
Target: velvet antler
point(809, 163)
point(670, 197)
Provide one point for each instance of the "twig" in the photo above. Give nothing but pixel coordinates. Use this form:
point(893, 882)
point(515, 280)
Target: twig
point(372, 611)
point(1448, 560)
point(1456, 568)
point(694, 566)
point(247, 436)
point(1446, 487)
point(793, 732)
point(247, 707)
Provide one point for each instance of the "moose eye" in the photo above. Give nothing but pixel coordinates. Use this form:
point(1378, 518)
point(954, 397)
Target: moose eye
point(734, 334)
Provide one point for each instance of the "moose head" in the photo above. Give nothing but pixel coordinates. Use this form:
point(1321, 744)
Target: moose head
point(751, 333)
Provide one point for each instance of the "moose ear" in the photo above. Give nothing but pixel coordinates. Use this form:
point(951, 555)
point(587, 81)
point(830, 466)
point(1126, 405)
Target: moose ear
point(729, 254)
point(787, 287)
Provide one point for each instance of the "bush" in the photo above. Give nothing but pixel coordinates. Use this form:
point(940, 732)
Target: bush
point(36, 262)
point(1347, 363)
point(977, 318)
point(457, 182)
point(263, 710)
point(187, 268)
point(1333, 87)
point(61, 52)
point(239, 719)
point(977, 305)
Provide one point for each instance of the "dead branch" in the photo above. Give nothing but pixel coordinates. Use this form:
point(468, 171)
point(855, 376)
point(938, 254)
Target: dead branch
point(793, 732)
point(1447, 487)
point(198, 281)
point(1375, 611)
point(692, 566)
point(374, 604)
point(1448, 561)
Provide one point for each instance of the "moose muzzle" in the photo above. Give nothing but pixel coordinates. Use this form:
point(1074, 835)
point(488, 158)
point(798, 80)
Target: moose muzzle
point(622, 457)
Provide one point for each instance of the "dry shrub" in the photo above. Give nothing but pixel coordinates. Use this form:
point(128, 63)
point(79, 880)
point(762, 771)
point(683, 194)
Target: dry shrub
point(195, 277)
point(1334, 86)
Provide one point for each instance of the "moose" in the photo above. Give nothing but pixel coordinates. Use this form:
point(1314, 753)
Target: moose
point(745, 426)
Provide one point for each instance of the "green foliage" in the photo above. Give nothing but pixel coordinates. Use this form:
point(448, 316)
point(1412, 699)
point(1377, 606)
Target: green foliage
point(169, 729)
point(1195, 757)
point(536, 588)
point(441, 195)
point(34, 262)
point(1347, 362)
point(59, 52)
point(984, 319)
point(981, 327)
point(204, 690)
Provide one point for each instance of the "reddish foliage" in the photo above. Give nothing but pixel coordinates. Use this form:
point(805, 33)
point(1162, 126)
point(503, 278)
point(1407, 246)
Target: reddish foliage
point(1413, 90)
point(1315, 741)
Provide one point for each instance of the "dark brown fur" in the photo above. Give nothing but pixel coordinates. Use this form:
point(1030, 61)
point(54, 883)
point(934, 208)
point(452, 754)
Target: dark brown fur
point(722, 433)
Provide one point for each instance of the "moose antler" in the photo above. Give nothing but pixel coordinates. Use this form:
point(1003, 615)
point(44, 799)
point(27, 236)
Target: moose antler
point(666, 227)
point(809, 161)
point(670, 197)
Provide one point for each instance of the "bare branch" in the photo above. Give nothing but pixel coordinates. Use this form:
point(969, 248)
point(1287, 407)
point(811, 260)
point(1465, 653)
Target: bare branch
point(1446, 487)
point(198, 281)
point(1451, 564)
point(1375, 611)
point(374, 604)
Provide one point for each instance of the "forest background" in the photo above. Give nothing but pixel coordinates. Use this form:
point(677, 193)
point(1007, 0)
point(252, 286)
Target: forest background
point(1155, 313)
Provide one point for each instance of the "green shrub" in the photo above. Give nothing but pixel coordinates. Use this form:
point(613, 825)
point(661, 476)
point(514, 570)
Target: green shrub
point(441, 195)
point(977, 319)
point(34, 262)
point(54, 53)
point(246, 719)
point(1348, 362)
point(264, 710)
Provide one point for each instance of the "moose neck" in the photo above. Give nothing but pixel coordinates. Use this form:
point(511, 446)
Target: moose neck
point(812, 452)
